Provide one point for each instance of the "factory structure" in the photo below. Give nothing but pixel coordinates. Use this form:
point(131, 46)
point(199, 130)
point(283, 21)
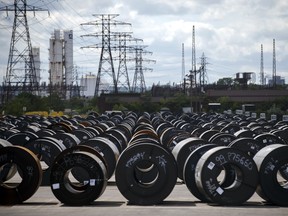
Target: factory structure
point(88, 83)
point(36, 57)
point(118, 50)
point(61, 62)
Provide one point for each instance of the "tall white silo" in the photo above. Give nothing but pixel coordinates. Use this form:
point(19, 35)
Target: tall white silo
point(36, 57)
point(56, 58)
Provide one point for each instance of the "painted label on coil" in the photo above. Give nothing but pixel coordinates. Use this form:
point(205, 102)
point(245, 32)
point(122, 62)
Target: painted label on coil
point(221, 159)
point(240, 159)
point(270, 166)
point(30, 170)
point(162, 161)
point(133, 159)
point(3, 157)
point(211, 187)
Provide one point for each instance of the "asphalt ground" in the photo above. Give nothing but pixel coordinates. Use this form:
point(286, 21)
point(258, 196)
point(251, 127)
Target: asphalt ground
point(111, 202)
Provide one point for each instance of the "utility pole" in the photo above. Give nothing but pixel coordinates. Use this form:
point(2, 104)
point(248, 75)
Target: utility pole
point(21, 74)
point(106, 64)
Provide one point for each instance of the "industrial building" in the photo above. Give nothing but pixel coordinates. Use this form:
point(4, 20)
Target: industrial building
point(278, 80)
point(36, 57)
point(88, 83)
point(61, 61)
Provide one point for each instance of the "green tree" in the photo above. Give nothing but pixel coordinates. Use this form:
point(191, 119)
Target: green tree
point(227, 81)
point(24, 102)
point(176, 103)
point(54, 102)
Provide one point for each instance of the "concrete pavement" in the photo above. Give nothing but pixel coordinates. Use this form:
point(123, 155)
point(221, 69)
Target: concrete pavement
point(179, 202)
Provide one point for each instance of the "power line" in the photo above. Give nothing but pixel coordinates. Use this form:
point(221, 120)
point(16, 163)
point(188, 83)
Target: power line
point(21, 74)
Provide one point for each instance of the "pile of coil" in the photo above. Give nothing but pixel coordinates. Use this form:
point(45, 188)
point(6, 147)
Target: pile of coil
point(222, 159)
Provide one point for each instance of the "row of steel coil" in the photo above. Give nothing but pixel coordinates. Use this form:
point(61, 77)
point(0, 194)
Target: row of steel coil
point(222, 159)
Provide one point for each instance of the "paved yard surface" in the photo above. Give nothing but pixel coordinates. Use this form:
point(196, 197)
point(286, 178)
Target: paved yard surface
point(179, 202)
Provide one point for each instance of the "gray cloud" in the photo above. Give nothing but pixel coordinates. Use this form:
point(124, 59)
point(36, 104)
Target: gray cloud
point(229, 32)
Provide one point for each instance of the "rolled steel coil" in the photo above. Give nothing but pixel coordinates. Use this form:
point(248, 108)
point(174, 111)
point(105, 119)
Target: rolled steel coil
point(270, 160)
point(29, 167)
point(146, 193)
point(76, 193)
point(210, 166)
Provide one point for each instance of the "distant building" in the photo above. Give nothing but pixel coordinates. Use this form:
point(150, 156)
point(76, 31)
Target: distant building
point(36, 57)
point(279, 81)
point(88, 83)
point(61, 59)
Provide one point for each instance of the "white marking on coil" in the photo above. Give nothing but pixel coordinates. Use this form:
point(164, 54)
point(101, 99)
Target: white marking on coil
point(55, 186)
point(219, 190)
point(211, 165)
point(92, 182)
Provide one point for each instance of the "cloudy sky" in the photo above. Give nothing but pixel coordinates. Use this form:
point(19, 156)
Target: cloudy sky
point(228, 32)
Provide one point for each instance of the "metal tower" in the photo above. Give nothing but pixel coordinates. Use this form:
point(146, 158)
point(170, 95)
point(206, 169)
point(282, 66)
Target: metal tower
point(183, 63)
point(21, 73)
point(106, 64)
point(274, 65)
point(193, 57)
point(123, 83)
point(262, 79)
point(122, 75)
point(203, 72)
point(138, 80)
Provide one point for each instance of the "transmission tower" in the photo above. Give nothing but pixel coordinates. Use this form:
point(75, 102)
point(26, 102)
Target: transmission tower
point(122, 75)
point(138, 80)
point(106, 64)
point(274, 65)
point(203, 72)
point(123, 83)
point(75, 89)
point(21, 74)
point(262, 79)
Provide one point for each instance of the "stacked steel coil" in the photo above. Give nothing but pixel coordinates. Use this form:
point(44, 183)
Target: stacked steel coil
point(221, 158)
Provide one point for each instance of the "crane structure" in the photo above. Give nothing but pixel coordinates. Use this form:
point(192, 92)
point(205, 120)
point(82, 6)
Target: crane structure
point(106, 67)
point(21, 75)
